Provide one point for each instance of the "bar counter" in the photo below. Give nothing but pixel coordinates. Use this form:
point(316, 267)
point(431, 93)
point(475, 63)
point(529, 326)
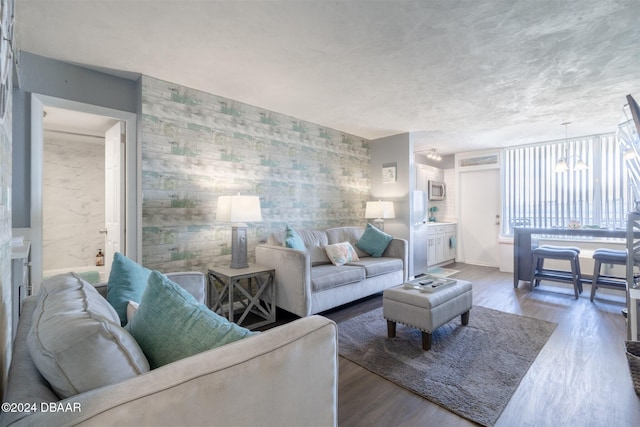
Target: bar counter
point(522, 245)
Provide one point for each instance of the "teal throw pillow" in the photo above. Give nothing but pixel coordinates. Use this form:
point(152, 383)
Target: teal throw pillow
point(293, 240)
point(374, 241)
point(127, 281)
point(170, 324)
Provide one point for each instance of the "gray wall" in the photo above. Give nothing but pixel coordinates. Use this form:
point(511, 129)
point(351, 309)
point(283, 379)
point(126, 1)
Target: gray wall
point(58, 79)
point(394, 149)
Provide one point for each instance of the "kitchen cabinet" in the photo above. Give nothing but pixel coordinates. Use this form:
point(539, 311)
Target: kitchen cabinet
point(435, 244)
point(451, 241)
point(441, 243)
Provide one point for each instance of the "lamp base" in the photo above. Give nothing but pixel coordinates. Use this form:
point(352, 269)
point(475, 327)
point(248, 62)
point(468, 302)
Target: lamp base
point(379, 224)
point(239, 246)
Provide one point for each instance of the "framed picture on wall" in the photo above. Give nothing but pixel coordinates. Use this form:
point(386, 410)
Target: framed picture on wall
point(389, 173)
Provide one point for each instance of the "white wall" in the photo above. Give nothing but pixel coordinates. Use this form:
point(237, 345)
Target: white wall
point(447, 208)
point(73, 200)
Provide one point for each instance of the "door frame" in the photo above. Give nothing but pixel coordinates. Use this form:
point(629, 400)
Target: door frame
point(133, 191)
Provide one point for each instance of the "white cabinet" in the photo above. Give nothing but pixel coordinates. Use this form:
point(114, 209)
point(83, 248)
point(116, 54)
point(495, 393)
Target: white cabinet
point(435, 245)
point(451, 241)
point(441, 243)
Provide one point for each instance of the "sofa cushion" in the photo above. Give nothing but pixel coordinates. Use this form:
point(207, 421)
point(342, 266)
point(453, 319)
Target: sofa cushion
point(314, 242)
point(377, 266)
point(127, 281)
point(374, 241)
point(330, 276)
point(341, 253)
point(170, 324)
point(293, 240)
point(76, 340)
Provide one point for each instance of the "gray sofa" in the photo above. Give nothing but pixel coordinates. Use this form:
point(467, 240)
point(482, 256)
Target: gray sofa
point(308, 283)
point(243, 383)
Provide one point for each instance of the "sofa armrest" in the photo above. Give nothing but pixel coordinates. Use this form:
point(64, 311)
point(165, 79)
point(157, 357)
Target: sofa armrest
point(399, 248)
point(288, 375)
point(292, 277)
point(193, 282)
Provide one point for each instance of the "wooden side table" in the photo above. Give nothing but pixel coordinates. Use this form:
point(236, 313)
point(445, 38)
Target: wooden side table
point(248, 292)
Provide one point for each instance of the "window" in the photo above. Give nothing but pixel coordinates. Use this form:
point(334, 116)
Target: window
point(537, 196)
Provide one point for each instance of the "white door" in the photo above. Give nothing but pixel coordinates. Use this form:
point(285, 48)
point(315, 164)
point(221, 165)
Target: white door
point(114, 192)
point(479, 217)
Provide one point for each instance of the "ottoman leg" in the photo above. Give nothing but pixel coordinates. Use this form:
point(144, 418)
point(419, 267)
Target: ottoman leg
point(391, 329)
point(464, 317)
point(426, 341)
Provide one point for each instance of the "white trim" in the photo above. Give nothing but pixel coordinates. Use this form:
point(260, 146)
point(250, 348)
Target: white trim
point(133, 214)
point(479, 155)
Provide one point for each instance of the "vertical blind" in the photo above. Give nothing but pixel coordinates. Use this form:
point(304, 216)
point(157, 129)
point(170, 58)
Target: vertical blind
point(537, 196)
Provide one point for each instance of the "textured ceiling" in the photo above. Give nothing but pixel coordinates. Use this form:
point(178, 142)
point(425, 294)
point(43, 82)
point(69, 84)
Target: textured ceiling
point(462, 75)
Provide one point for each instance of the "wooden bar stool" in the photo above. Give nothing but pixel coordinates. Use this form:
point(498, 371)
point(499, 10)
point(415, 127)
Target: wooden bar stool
point(607, 256)
point(569, 253)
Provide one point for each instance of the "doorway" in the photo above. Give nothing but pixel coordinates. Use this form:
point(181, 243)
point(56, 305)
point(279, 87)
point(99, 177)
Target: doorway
point(79, 147)
point(74, 201)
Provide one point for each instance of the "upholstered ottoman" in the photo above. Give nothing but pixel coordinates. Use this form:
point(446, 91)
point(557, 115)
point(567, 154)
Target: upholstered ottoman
point(426, 311)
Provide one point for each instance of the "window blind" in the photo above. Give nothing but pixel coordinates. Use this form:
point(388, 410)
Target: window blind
point(537, 196)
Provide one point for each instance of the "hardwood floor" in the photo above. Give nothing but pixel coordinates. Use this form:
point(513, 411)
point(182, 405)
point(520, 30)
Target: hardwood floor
point(580, 378)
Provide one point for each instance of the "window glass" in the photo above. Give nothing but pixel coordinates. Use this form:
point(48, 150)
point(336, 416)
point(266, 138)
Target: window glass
point(538, 195)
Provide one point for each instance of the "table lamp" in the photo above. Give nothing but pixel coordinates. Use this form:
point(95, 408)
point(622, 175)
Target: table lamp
point(238, 210)
point(379, 211)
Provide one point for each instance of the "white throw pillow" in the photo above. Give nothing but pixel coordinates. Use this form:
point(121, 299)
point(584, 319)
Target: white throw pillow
point(341, 253)
point(76, 340)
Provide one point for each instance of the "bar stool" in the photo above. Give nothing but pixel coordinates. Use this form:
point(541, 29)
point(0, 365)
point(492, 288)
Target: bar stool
point(607, 256)
point(569, 253)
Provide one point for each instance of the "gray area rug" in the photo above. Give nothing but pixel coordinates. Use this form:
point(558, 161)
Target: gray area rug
point(471, 370)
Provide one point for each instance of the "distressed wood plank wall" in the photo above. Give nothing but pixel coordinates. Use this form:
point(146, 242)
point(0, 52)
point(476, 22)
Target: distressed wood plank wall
point(197, 146)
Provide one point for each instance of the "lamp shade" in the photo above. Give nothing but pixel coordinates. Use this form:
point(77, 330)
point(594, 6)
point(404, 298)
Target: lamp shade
point(561, 166)
point(581, 165)
point(238, 209)
point(379, 210)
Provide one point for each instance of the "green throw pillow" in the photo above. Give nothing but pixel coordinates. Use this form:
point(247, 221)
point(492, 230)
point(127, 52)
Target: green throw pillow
point(374, 241)
point(293, 240)
point(170, 324)
point(127, 281)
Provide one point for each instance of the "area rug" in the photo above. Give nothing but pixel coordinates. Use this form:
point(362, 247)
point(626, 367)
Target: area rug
point(470, 370)
point(442, 272)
